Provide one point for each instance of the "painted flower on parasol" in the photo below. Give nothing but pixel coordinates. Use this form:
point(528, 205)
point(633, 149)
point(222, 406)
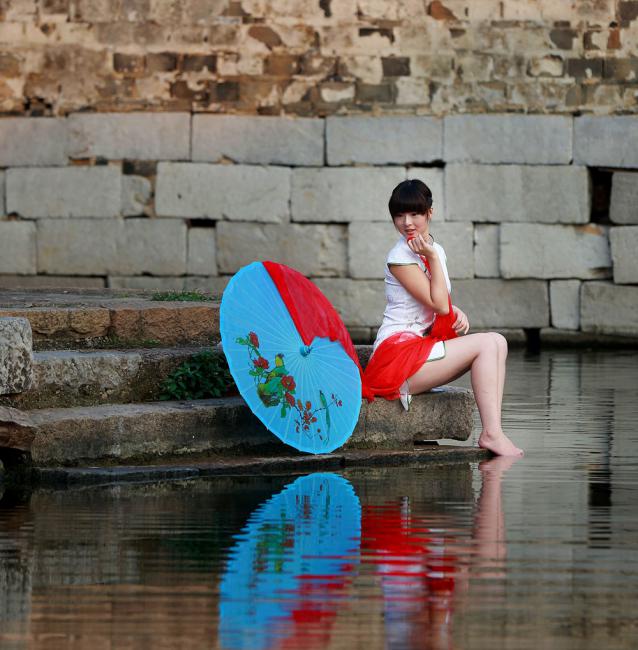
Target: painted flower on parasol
point(291, 356)
point(276, 387)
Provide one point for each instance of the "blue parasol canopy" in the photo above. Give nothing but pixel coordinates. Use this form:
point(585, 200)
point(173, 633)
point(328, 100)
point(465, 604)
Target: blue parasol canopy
point(307, 395)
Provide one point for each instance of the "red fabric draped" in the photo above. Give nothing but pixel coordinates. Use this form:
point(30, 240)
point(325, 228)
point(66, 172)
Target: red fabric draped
point(312, 313)
point(402, 354)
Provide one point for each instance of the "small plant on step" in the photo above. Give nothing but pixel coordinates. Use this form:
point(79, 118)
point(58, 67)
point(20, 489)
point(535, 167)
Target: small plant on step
point(202, 376)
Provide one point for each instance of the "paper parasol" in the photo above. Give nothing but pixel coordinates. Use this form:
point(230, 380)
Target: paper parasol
point(291, 357)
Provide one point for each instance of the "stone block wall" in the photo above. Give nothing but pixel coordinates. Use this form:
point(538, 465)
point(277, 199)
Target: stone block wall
point(175, 201)
point(314, 58)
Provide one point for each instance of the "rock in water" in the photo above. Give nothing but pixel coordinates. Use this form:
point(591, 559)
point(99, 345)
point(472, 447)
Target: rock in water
point(16, 355)
point(16, 429)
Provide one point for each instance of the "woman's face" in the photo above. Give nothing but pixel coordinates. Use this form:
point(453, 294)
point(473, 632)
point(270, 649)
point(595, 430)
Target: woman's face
point(410, 224)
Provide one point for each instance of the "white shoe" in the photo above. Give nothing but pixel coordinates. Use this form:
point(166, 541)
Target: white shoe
point(405, 396)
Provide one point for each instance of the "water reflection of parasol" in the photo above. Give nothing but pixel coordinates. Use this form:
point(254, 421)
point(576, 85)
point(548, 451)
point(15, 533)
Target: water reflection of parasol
point(285, 577)
point(291, 356)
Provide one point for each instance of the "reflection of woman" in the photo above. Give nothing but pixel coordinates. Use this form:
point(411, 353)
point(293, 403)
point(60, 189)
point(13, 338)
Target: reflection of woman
point(422, 570)
point(489, 526)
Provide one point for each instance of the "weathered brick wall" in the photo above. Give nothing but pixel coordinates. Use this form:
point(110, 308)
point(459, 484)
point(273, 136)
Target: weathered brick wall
point(318, 57)
point(174, 201)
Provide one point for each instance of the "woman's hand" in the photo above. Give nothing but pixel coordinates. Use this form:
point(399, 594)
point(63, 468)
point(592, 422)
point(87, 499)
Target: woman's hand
point(421, 246)
point(461, 324)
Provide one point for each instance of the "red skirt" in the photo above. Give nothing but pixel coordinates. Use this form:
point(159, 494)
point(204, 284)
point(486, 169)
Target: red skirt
point(402, 354)
point(397, 358)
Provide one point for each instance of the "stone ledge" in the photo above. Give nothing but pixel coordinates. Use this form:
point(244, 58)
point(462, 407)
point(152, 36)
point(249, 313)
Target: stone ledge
point(76, 296)
point(64, 378)
point(442, 413)
point(16, 355)
point(208, 284)
point(124, 319)
point(553, 337)
point(120, 433)
point(16, 430)
point(69, 378)
point(198, 468)
point(515, 336)
point(49, 282)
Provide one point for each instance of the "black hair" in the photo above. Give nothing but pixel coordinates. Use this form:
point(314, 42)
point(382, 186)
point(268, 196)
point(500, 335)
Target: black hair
point(410, 196)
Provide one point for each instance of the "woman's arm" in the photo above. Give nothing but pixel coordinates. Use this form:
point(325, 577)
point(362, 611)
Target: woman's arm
point(431, 292)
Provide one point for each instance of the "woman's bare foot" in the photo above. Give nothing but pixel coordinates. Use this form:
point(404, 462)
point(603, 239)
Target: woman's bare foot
point(498, 444)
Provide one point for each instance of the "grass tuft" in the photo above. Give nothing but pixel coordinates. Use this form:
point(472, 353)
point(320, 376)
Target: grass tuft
point(202, 376)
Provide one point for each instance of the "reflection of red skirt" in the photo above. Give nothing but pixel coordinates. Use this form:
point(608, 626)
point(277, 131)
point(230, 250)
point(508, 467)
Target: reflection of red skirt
point(397, 358)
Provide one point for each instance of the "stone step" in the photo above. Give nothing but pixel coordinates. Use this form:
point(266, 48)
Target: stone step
point(123, 433)
point(111, 318)
point(65, 378)
point(440, 455)
point(107, 319)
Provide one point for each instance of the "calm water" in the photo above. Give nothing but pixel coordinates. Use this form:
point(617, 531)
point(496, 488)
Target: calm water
point(541, 553)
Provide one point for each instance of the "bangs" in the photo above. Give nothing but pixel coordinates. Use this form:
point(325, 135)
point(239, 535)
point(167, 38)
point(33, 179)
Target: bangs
point(410, 196)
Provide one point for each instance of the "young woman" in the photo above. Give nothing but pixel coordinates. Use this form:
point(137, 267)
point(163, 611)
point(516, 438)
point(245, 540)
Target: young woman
point(423, 342)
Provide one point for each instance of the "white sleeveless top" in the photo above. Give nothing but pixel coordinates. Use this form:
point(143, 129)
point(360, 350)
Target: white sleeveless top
point(403, 313)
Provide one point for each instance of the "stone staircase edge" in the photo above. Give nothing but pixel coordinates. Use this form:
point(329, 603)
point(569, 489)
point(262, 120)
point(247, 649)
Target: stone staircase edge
point(62, 477)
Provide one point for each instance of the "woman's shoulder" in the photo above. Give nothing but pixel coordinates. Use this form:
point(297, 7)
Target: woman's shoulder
point(401, 253)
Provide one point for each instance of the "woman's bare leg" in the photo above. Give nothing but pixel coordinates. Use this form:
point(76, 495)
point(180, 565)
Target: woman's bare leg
point(501, 344)
point(480, 354)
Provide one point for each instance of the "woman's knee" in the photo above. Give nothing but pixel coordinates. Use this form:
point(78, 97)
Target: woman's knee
point(488, 343)
point(501, 343)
